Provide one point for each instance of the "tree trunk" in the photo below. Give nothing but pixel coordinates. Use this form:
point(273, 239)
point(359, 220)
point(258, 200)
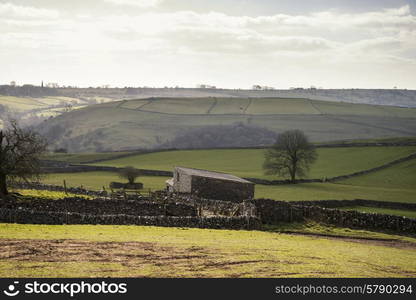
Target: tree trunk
point(3, 185)
point(293, 177)
point(293, 171)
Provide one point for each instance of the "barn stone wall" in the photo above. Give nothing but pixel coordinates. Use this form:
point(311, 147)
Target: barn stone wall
point(182, 182)
point(212, 188)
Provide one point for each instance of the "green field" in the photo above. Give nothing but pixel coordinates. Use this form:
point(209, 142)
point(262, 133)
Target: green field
point(248, 162)
point(96, 180)
point(46, 194)
point(20, 104)
point(261, 106)
point(136, 251)
point(334, 191)
point(402, 175)
point(146, 123)
point(80, 158)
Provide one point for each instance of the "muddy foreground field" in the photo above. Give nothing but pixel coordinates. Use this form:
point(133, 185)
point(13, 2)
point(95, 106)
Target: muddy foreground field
point(129, 251)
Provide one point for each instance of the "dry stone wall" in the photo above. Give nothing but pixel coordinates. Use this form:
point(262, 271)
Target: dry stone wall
point(26, 216)
point(103, 207)
point(209, 207)
point(275, 212)
point(357, 202)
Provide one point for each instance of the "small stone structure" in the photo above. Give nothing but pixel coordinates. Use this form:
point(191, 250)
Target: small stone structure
point(210, 185)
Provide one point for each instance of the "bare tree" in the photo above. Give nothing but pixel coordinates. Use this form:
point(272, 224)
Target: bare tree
point(20, 150)
point(129, 173)
point(291, 155)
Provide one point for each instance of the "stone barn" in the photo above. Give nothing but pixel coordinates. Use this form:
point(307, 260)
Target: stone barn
point(210, 185)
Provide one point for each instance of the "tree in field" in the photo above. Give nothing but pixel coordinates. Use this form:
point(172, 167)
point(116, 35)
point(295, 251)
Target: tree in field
point(20, 150)
point(129, 173)
point(290, 156)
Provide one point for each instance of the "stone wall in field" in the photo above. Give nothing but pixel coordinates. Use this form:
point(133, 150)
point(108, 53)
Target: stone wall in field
point(275, 212)
point(184, 210)
point(355, 219)
point(357, 202)
point(63, 167)
point(26, 216)
point(209, 207)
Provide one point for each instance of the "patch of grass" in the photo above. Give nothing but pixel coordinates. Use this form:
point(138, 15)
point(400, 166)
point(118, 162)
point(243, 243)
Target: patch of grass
point(283, 106)
point(381, 140)
point(96, 180)
point(379, 210)
point(248, 162)
point(229, 106)
point(20, 103)
point(343, 108)
point(331, 191)
point(119, 251)
point(174, 105)
point(79, 158)
point(47, 194)
point(402, 175)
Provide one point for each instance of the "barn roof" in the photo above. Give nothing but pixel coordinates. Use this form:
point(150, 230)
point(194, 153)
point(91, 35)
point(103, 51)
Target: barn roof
point(211, 174)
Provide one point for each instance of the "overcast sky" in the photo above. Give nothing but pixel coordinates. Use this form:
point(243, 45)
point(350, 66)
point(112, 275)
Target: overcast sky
point(227, 43)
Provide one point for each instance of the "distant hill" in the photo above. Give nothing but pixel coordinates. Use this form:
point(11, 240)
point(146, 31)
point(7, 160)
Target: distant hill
point(150, 123)
point(32, 104)
point(395, 97)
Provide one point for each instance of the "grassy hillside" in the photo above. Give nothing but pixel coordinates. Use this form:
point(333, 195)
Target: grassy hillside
point(335, 191)
point(82, 157)
point(150, 122)
point(19, 104)
point(401, 176)
point(124, 251)
point(248, 162)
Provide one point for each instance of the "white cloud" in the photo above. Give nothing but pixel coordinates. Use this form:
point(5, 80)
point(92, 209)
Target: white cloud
point(221, 33)
point(11, 11)
point(211, 46)
point(139, 3)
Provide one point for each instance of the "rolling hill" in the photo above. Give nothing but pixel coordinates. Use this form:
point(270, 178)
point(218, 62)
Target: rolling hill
point(149, 123)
